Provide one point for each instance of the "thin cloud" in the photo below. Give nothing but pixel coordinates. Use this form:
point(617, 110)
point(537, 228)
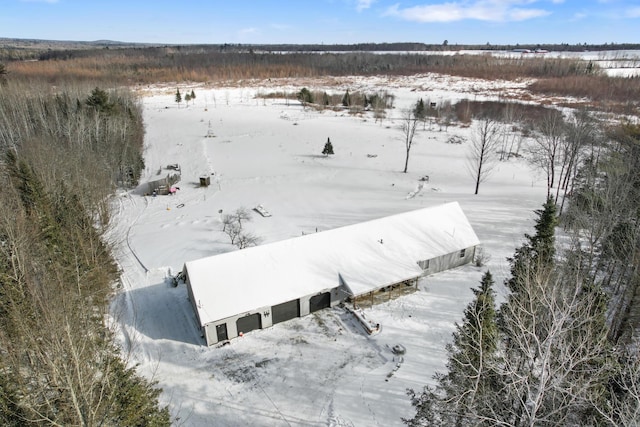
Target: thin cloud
point(633, 12)
point(364, 4)
point(280, 27)
point(481, 10)
point(578, 16)
point(245, 31)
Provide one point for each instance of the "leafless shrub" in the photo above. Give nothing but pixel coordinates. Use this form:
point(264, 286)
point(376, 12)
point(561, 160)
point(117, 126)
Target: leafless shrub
point(232, 226)
point(481, 257)
point(609, 93)
point(247, 239)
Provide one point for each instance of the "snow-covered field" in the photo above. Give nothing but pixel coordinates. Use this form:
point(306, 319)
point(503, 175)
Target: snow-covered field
point(323, 369)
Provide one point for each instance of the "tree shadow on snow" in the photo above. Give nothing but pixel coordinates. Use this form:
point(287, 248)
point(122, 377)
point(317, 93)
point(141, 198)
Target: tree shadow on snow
point(313, 156)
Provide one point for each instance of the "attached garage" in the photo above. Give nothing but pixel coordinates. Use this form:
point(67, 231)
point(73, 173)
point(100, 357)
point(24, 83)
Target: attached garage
point(319, 302)
point(249, 323)
point(285, 311)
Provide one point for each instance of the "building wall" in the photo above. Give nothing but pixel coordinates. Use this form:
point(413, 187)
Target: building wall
point(211, 335)
point(194, 303)
point(448, 261)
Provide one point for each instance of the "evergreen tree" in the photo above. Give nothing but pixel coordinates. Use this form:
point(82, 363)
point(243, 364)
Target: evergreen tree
point(178, 97)
point(193, 94)
point(544, 239)
point(538, 251)
point(346, 99)
point(328, 148)
point(60, 364)
point(3, 74)
point(460, 395)
point(325, 98)
point(305, 96)
point(419, 111)
point(99, 100)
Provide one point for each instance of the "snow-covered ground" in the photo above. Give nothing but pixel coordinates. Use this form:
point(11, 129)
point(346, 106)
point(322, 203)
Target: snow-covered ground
point(323, 369)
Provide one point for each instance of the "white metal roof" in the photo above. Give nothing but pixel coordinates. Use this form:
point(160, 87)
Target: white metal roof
point(367, 255)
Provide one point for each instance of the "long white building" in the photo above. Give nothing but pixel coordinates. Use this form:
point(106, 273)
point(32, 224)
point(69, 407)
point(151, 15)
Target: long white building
point(254, 288)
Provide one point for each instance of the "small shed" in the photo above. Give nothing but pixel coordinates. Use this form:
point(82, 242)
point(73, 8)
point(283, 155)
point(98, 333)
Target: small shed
point(237, 292)
point(161, 186)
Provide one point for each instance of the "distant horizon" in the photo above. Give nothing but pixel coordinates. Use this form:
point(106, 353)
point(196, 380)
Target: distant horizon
point(449, 45)
point(325, 22)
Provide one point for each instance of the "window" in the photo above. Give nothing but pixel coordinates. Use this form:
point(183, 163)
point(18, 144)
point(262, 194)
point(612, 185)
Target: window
point(462, 253)
point(424, 264)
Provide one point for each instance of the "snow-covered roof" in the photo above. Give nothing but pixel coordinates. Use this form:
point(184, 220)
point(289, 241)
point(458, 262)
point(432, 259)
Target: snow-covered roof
point(368, 256)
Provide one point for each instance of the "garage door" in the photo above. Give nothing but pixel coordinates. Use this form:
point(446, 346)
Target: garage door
point(319, 302)
point(248, 323)
point(285, 311)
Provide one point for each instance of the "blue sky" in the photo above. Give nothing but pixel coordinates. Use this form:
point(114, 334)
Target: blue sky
point(325, 21)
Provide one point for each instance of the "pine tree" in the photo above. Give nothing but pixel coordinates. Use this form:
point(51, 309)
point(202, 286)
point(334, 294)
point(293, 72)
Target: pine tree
point(539, 250)
point(305, 96)
point(193, 94)
point(346, 99)
point(3, 74)
point(328, 148)
point(419, 111)
point(460, 394)
point(178, 97)
point(99, 100)
point(544, 239)
point(325, 99)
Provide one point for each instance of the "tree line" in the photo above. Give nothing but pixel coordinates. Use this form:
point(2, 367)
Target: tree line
point(562, 348)
point(62, 154)
point(219, 63)
point(25, 49)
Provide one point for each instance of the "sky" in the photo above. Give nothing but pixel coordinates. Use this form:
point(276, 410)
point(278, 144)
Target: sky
point(324, 21)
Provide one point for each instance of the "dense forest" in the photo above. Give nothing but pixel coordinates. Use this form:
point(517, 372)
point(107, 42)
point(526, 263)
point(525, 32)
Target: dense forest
point(560, 350)
point(63, 153)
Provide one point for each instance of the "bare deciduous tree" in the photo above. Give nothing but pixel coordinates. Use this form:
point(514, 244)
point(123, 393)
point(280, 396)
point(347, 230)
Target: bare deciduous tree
point(232, 226)
point(483, 150)
point(556, 355)
point(247, 239)
point(580, 132)
point(544, 153)
point(623, 408)
point(408, 127)
point(242, 214)
point(511, 136)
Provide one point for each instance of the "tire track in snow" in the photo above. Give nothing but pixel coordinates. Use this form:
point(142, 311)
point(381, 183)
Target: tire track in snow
point(134, 222)
point(126, 305)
